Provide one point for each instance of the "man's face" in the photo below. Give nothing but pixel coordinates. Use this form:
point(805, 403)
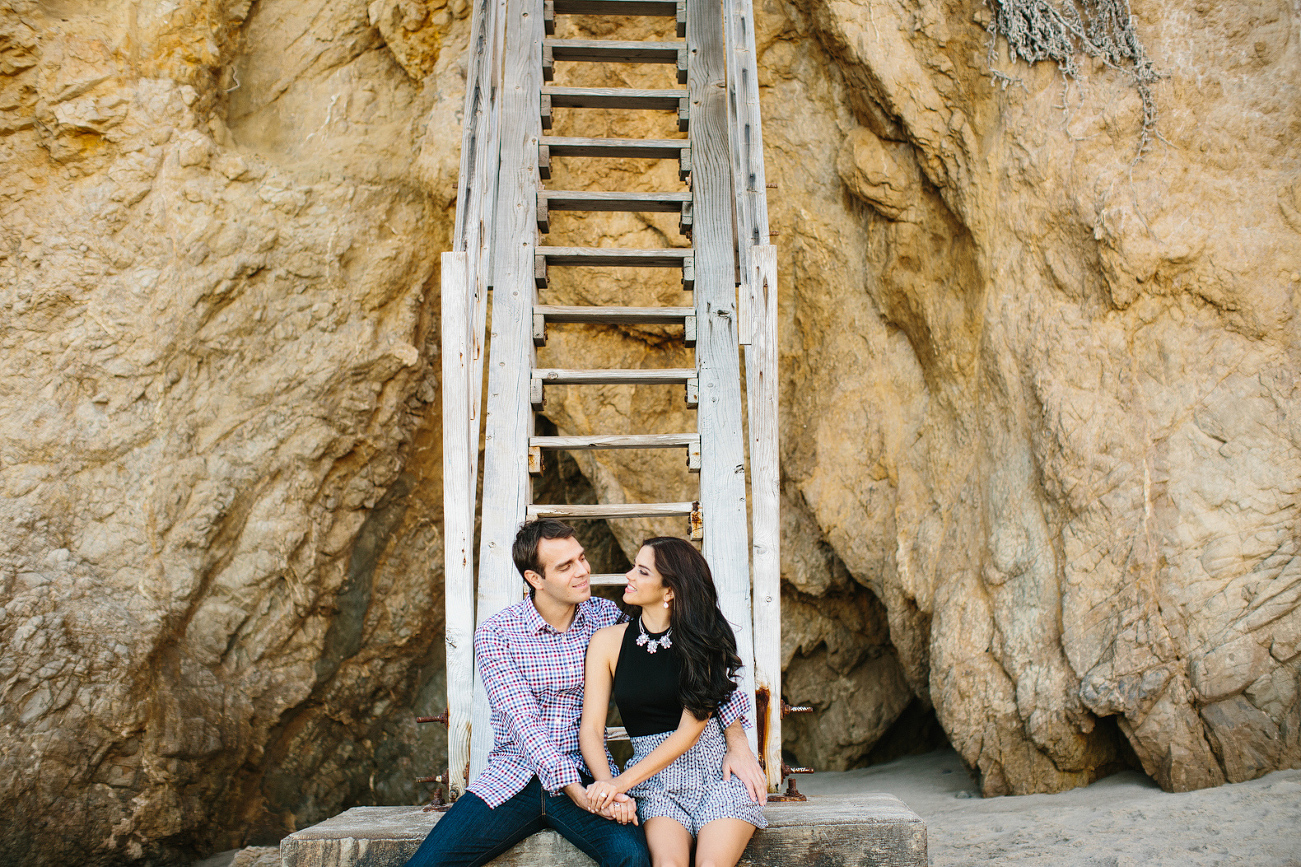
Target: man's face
point(565, 572)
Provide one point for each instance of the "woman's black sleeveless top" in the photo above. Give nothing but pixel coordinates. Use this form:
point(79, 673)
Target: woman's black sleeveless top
point(646, 685)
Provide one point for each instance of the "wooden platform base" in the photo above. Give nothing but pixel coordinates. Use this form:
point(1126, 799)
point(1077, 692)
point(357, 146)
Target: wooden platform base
point(877, 830)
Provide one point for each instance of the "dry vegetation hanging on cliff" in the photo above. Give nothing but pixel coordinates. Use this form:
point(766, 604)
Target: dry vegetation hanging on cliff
point(1041, 30)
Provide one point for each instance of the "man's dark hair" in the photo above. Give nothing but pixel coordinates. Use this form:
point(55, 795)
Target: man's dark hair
point(525, 549)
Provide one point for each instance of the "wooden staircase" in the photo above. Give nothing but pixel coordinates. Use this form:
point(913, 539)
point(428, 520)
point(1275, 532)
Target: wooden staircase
point(502, 241)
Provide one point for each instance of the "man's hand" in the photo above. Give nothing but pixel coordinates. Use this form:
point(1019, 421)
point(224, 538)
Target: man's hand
point(577, 793)
point(740, 760)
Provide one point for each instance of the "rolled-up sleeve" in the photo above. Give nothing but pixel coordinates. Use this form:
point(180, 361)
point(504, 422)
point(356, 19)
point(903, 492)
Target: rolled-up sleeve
point(736, 707)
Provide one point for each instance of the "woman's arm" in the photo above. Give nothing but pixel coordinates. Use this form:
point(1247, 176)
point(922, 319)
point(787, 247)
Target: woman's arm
point(683, 738)
point(602, 655)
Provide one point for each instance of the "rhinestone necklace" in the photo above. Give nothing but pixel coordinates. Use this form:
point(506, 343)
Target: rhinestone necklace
point(653, 644)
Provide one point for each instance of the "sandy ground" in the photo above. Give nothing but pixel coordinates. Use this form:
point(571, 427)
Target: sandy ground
point(1119, 821)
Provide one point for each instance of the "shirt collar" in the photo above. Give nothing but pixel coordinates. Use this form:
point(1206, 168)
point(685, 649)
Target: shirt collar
point(533, 622)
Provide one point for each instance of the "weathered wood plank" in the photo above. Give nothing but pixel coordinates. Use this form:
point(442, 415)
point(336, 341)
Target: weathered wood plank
point(613, 376)
point(657, 8)
point(607, 200)
point(618, 148)
point(613, 200)
point(574, 146)
point(765, 500)
point(614, 97)
point(604, 257)
point(509, 423)
point(615, 315)
point(464, 312)
point(722, 488)
point(611, 510)
point(855, 831)
point(613, 51)
point(745, 135)
point(460, 452)
point(617, 441)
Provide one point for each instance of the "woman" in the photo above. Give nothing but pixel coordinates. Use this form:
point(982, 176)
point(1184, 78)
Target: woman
point(670, 669)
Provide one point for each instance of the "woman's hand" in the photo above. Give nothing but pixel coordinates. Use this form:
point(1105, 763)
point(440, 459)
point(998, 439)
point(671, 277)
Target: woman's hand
point(601, 794)
point(623, 811)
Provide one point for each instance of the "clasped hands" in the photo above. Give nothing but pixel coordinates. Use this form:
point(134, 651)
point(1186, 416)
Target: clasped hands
point(605, 800)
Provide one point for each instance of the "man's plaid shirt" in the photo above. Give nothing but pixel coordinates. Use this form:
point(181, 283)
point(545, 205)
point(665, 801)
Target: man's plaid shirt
point(533, 675)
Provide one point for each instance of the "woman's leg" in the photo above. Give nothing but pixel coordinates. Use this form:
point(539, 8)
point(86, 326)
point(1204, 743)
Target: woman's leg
point(669, 842)
point(720, 842)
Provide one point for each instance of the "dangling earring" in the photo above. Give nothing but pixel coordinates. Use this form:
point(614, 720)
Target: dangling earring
point(666, 603)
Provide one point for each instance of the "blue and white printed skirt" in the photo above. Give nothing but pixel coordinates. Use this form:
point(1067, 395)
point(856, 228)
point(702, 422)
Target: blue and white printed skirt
point(692, 789)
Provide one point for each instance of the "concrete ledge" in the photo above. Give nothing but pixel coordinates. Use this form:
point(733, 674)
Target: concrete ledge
point(876, 830)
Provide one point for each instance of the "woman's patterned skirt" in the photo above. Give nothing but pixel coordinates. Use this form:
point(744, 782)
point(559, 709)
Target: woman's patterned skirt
point(692, 789)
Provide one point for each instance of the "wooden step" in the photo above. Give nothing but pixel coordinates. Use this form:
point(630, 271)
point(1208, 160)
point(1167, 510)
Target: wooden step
point(607, 581)
point(827, 830)
point(688, 441)
point(606, 200)
point(654, 376)
point(615, 315)
point(614, 257)
point(596, 511)
point(616, 97)
point(618, 148)
point(684, 316)
point(676, 9)
point(612, 51)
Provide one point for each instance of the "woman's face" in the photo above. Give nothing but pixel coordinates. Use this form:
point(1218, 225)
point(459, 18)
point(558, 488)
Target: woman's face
point(645, 586)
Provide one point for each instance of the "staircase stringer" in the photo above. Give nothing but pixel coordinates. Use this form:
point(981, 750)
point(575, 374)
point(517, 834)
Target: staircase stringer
point(758, 301)
point(722, 476)
point(509, 420)
point(464, 292)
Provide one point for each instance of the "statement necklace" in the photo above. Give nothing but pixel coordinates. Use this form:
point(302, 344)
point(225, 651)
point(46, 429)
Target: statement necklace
point(653, 644)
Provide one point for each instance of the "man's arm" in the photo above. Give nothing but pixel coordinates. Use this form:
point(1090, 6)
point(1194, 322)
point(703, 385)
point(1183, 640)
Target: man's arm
point(510, 696)
point(740, 759)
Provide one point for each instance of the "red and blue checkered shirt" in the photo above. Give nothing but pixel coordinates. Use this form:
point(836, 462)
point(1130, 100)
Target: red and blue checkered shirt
point(533, 675)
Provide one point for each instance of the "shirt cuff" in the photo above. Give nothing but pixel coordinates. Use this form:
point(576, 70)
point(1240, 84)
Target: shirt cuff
point(735, 708)
point(566, 774)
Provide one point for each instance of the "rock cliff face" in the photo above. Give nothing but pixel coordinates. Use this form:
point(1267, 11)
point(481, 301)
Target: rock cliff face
point(1041, 423)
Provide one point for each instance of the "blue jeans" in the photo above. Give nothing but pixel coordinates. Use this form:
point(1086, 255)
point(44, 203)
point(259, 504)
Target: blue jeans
point(472, 833)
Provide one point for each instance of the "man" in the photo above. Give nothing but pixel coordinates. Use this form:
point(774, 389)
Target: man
point(530, 656)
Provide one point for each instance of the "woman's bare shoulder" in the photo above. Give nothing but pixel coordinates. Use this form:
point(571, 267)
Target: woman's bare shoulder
point(608, 634)
point(607, 639)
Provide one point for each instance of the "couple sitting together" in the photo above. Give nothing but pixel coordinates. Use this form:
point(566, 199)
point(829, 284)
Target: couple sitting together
point(670, 665)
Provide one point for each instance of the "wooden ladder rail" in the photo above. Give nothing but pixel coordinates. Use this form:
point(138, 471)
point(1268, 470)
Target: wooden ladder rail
point(464, 293)
point(509, 420)
point(757, 295)
point(722, 487)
